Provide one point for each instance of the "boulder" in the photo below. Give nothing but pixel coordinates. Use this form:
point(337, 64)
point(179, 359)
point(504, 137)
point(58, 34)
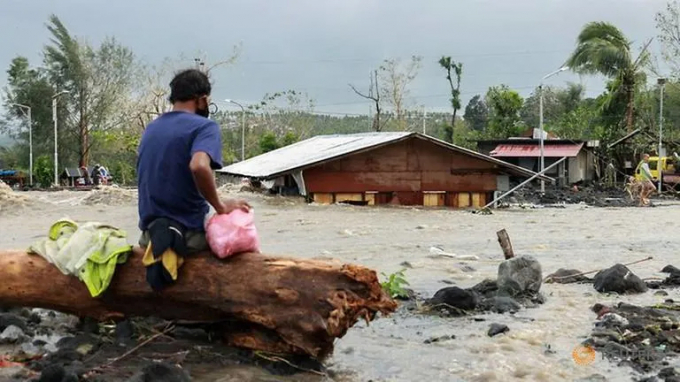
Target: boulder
point(618, 279)
point(12, 334)
point(454, 297)
point(519, 277)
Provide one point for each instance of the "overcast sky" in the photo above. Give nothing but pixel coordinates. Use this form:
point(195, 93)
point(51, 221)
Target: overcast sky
point(319, 46)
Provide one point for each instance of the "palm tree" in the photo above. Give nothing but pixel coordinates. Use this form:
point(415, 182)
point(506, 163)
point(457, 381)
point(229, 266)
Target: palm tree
point(601, 48)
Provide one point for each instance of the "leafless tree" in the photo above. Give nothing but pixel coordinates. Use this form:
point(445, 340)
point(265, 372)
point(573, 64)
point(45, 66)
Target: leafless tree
point(373, 95)
point(397, 76)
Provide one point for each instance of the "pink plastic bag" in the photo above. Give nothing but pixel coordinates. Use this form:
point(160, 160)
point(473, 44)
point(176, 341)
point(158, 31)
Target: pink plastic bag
point(232, 233)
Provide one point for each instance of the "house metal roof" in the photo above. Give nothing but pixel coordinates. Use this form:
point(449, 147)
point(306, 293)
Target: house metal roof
point(323, 148)
point(534, 151)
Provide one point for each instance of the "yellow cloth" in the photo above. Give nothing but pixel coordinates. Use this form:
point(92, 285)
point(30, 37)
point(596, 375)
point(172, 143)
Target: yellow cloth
point(90, 251)
point(171, 262)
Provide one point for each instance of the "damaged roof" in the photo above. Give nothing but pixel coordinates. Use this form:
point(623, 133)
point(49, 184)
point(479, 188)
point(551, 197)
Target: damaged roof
point(323, 148)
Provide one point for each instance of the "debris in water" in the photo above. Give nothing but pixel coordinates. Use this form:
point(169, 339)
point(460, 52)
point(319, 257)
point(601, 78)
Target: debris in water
point(11, 200)
point(111, 196)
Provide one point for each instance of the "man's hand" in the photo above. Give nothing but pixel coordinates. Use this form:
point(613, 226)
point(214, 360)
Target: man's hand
point(230, 205)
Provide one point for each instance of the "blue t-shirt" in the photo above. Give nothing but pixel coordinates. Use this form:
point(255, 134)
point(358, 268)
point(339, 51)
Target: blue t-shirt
point(165, 182)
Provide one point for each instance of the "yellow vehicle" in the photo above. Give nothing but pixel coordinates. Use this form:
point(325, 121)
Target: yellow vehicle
point(667, 167)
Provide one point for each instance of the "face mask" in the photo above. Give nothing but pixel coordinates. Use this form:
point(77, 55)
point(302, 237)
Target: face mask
point(203, 112)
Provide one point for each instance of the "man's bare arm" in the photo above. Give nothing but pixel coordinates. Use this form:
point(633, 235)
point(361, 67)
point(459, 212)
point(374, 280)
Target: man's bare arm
point(205, 181)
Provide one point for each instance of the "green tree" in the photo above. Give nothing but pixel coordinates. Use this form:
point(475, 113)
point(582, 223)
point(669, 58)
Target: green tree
point(476, 113)
point(457, 68)
point(99, 82)
point(268, 142)
point(44, 170)
point(504, 108)
point(30, 87)
point(601, 48)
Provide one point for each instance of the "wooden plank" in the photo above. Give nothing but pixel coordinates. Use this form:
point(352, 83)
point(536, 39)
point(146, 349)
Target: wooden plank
point(476, 202)
point(323, 198)
point(463, 200)
point(370, 197)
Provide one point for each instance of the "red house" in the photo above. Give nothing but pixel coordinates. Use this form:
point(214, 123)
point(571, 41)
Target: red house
point(382, 168)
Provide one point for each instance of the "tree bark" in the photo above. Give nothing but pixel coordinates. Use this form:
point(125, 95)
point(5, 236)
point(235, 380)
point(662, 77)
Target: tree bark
point(259, 302)
point(630, 124)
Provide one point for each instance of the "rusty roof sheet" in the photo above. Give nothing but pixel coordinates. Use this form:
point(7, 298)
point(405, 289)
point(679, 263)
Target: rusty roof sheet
point(323, 148)
point(533, 151)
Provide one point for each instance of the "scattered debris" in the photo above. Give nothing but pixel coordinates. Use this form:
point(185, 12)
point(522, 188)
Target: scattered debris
point(438, 253)
point(11, 200)
point(111, 196)
point(438, 339)
point(643, 338)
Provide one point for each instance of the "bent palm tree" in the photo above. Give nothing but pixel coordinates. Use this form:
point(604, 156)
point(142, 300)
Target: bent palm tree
point(601, 48)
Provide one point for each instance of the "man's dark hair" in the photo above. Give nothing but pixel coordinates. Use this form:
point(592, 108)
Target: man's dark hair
point(189, 84)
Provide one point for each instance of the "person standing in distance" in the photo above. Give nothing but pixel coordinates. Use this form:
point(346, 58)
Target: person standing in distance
point(177, 155)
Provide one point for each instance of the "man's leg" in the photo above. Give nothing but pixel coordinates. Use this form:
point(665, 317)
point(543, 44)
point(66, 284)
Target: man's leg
point(196, 242)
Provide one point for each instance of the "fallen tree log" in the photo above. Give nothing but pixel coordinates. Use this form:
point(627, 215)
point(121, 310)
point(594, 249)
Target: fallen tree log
point(260, 302)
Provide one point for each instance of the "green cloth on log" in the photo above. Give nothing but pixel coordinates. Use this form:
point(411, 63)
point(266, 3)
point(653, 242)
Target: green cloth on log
point(89, 251)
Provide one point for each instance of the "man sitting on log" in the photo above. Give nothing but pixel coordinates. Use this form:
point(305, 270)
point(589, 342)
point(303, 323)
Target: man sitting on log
point(177, 155)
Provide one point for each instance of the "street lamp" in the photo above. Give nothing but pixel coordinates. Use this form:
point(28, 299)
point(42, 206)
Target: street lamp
point(27, 113)
point(56, 142)
point(662, 83)
point(243, 127)
point(540, 123)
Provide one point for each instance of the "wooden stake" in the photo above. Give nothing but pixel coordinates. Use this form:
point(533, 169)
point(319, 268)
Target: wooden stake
point(506, 245)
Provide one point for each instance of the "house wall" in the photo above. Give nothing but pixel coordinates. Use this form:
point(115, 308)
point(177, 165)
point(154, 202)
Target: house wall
point(410, 172)
point(581, 168)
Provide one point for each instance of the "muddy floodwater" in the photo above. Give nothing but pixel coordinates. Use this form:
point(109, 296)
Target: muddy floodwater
point(538, 346)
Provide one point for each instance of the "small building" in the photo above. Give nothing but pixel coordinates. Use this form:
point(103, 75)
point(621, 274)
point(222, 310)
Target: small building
point(71, 177)
point(526, 153)
point(382, 168)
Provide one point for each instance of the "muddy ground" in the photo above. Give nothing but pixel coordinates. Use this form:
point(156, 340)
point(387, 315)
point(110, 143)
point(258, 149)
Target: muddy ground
point(538, 346)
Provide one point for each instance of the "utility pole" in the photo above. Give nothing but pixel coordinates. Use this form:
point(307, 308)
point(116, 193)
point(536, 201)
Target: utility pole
point(424, 121)
point(540, 111)
point(56, 140)
point(26, 110)
point(243, 127)
point(662, 83)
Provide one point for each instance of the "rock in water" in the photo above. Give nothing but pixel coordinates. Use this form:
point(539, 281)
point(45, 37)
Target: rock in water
point(519, 276)
point(505, 304)
point(496, 329)
point(12, 334)
point(455, 297)
point(618, 279)
point(670, 269)
point(566, 276)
